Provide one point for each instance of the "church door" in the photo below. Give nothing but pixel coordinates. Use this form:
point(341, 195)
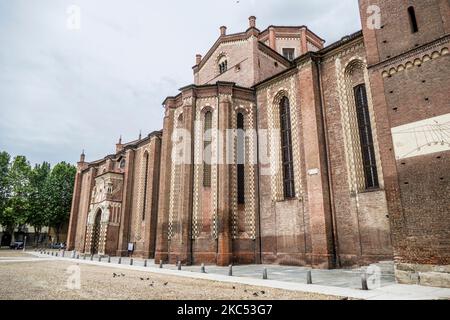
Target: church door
point(96, 232)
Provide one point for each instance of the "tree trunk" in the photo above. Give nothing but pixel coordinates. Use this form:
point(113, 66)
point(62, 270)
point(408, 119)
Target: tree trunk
point(58, 228)
point(37, 234)
point(10, 229)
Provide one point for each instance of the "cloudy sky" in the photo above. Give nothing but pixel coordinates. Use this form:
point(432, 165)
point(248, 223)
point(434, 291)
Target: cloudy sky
point(64, 89)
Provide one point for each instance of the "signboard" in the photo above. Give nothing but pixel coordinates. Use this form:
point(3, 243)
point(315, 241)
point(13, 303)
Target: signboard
point(131, 246)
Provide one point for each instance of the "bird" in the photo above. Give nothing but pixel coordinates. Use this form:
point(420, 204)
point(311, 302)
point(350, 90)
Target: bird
point(234, 287)
point(123, 275)
point(148, 278)
point(114, 275)
point(245, 290)
point(151, 284)
point(255, 294)
point(165, 283)
point(263, 292)
point(142, 279)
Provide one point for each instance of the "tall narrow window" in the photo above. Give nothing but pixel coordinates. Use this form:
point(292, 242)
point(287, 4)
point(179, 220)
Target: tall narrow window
point(223, 64)
point(286, 149)
point(207, 149)
point(240, 155)
point(413, 20)
point(366, 139)
point(144, 205)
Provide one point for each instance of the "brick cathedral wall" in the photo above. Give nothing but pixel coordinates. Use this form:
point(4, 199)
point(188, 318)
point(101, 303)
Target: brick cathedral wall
point(362, 224)
point(411, 99)
point(85, 195)
point(423, 180)
point(237, 52)
point(284, 224)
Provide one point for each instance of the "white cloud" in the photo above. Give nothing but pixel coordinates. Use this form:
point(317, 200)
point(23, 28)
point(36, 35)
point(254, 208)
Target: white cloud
point(62, 90)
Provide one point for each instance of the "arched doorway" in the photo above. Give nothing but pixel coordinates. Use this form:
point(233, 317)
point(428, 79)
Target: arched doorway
point(96, 232)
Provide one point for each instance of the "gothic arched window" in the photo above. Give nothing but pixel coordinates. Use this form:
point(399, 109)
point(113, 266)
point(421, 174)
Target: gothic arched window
point(240, 155)
point(366, 139)
point(286, 149)
point(207, 125)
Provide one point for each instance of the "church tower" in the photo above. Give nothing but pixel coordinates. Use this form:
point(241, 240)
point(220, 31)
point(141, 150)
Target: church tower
point(407, 44)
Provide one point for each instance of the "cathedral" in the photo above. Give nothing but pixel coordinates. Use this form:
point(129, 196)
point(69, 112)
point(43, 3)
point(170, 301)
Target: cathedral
point(285, 150)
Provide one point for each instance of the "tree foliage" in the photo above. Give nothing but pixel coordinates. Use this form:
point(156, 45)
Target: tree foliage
point(37, 213)
point(59, 191)
point(4, 184)
point(17, 204)
point(39, 196)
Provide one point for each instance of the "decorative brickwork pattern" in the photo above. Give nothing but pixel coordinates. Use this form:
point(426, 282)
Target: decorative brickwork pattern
point(355, 65)
point(285, 88)
point(175, 186)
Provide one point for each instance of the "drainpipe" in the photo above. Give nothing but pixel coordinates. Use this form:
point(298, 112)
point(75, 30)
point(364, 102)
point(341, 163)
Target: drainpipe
point(327, 152)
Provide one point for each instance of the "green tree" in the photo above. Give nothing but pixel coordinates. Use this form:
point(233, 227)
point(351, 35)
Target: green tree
point(59, 190)
point(17, 205)
point(4, 184)
point(37, 213)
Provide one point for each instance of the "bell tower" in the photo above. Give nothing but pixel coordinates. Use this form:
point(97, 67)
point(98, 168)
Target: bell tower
point(407, 46)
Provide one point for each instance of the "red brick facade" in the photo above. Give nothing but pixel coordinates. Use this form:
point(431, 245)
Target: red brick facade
point(362, 192)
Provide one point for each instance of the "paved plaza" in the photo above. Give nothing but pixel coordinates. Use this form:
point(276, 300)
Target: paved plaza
point(339, 282)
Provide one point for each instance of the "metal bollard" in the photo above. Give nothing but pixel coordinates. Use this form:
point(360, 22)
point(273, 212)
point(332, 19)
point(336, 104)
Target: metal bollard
point(109, 259)
point(230, 270)
point(131, 261)
point(265, 274)
point(364, 281)
point(160, 264)
point(145, 262)
point(308, 277)
point(179, 265)
point(202, 268)
point(120, 260)
point(99, 258)
point(92, 257)
point(78, 256)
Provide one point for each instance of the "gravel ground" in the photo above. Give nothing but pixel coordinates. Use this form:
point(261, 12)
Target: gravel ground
point(48, 280)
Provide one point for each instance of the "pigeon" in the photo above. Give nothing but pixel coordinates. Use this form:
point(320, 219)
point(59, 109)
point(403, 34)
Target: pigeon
point(148, 278)
point(142, 279)
point(151, 284)
point(165, 283)
point(114, 275)
point(263, 292)
point(123, 275)
point(234, 287)
point(245, 290)
point(255, 294)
